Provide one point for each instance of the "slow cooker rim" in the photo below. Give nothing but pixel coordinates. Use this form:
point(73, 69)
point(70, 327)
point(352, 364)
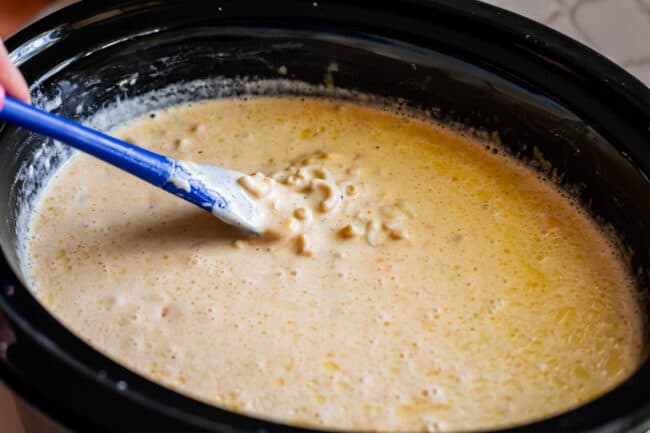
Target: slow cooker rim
point(524, 32)
point(555, 44)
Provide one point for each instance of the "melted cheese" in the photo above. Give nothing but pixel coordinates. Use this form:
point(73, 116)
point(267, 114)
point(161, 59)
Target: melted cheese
point(416, 281)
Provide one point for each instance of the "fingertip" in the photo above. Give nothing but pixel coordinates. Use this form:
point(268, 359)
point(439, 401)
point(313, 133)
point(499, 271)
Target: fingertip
point(20, 88)
point(11, 78)
point(16, 86)
point(25, 96)
point(19, 92)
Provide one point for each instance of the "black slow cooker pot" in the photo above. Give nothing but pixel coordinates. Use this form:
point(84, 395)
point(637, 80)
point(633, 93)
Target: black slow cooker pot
point(458, 59)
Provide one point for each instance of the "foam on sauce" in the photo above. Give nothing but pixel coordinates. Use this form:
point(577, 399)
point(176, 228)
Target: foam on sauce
point(413, 280)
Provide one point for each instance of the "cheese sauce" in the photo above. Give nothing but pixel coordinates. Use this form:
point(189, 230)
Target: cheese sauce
point(412, 280)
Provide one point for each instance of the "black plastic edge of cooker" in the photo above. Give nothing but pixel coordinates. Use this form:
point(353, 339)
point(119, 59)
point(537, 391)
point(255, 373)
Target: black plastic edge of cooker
point(551, 47)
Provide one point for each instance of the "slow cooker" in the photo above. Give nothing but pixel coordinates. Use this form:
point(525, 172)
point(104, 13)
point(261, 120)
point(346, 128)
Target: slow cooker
point(459, 60)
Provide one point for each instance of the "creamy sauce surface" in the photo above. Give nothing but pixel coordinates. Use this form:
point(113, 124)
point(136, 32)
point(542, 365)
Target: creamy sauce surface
point(413, 281)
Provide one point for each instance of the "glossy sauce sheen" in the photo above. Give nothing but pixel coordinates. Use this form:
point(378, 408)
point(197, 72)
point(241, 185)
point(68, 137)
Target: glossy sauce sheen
point(442, 286)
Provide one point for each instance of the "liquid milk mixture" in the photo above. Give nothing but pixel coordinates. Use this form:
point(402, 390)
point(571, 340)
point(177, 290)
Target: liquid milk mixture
point(414, 281)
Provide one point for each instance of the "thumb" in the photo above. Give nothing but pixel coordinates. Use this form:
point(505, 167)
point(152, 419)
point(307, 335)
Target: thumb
point(11, 78)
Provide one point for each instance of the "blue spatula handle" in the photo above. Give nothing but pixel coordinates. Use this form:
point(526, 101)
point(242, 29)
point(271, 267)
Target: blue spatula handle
point(149, 166)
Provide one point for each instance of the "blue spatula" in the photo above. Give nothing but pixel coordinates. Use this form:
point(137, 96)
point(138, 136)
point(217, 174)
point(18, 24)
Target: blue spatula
point(211, 188)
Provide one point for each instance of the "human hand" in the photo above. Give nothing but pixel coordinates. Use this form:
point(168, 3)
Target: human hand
point(11, 78)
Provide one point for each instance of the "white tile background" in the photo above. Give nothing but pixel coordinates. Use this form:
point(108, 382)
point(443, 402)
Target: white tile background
point(619, 29)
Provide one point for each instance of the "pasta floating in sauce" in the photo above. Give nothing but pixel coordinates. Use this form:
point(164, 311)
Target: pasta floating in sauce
point(410, 279)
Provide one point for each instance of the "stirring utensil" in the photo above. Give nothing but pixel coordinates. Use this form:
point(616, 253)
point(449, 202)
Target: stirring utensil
point(212, 188)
